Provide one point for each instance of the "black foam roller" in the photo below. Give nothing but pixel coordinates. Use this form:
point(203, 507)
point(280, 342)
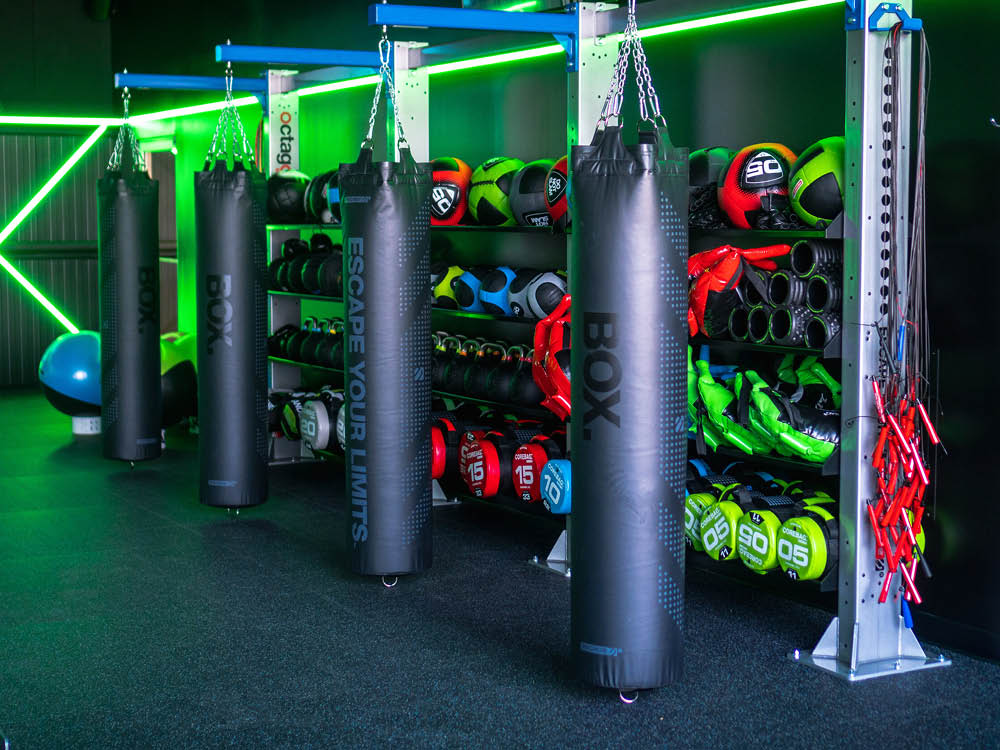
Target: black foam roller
point(231, 277)
point(128, 247)
point(385, 210)
point(629, 393)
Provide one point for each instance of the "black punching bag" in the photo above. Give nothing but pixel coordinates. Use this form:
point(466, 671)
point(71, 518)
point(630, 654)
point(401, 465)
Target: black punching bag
point(231, 278)
point(128, 249)
point(385, 210)
point(628, 433)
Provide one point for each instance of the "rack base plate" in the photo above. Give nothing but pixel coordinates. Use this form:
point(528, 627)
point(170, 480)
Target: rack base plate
point(911, 658)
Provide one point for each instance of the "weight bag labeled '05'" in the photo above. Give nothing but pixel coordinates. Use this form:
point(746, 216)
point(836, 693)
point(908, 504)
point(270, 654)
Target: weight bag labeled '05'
point(628, 389)
point(231, 277)
point(385, 211)
point(128, 249)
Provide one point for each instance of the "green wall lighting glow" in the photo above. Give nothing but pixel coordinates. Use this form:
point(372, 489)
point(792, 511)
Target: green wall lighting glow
point(58, 121)
point(522, 6)
point(740, 15)
point(482, 62)
point(350, 83)
point(30, 206)
point(197, 109)
point(33, 291)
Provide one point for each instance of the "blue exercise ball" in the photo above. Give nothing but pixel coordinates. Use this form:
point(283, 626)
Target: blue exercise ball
point(70, 371)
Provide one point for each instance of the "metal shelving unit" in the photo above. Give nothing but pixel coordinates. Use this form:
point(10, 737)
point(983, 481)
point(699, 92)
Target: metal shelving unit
point(723, 346)
point(866, 639)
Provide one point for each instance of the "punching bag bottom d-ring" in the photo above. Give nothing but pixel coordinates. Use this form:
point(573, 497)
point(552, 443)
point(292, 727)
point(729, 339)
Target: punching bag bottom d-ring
point(232, 336)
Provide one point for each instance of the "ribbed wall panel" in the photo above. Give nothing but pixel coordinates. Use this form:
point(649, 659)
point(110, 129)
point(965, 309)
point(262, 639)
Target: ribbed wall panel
point(68, 215)
point(66, 218)
point(26, 328)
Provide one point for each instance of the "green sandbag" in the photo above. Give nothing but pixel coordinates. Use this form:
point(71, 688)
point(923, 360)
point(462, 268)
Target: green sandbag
point(721, 405)
point(697, 412)
point(809, 433)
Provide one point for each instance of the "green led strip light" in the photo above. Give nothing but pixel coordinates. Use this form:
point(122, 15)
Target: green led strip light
point(59, 121)
point(350, 83)
point(733, 17)
point(197, 109)
point(30, 206)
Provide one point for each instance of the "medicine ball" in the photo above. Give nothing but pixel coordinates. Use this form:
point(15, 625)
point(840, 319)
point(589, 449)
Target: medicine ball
point(517, 292)
point(544, 293)
point(751, 179)
point(286, 197)
point(527, 194)
point(70, 372)
point(322, 198)
point(489, 194)
point(706, 164)
point(467, 286)
point(556, 199)
point(450, 192)
point(816, 182)
point(493, 292)
point(442, 292)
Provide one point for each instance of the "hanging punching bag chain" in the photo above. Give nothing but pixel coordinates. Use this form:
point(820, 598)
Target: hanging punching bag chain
point(126, 139)
point(230, 124)
point(385, 76)
point(649, 102)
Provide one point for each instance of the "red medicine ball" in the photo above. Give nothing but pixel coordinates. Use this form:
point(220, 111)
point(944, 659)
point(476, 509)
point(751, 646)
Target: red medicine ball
point(755, 173)
point(556, 185)
point(450, 192)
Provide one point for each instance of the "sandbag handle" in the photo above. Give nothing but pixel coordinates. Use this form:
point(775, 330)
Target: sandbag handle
point(126, 141)
point(230, 124)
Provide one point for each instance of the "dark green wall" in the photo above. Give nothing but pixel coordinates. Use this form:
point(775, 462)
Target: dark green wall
point(55, 59)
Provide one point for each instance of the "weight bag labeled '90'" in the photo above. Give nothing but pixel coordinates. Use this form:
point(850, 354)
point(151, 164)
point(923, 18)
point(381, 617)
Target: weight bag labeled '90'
point(128, 248)
point(629, 288)
point(232, 335)
point(385, 210)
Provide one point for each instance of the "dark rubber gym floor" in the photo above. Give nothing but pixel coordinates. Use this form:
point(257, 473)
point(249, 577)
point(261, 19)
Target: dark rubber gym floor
point(132, 617)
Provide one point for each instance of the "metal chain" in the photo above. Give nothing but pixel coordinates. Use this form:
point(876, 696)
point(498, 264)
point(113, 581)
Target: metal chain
point(126, 139)
point(230, 124)
point(613, 101)
point(632, 49)
point(385, 77)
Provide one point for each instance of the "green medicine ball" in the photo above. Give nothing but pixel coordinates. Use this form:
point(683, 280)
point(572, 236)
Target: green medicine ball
point(489, 195)
point(816, 182)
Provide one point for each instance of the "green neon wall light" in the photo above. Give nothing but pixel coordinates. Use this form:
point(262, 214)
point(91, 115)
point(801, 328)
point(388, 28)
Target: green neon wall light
point(59, 121)
point(735, 16)
point(521, 6)
point(350, 83)
point(30, 206)
point(197, 109)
